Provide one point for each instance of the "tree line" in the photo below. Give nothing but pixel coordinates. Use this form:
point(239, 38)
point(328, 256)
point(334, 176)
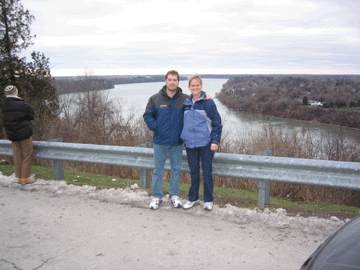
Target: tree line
point(337, 97)
point(80, 84)
point(86, 83)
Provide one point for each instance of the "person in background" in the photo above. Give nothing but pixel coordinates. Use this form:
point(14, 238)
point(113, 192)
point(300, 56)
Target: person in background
point(201, 134)
point(17, 115)
point(164, 116)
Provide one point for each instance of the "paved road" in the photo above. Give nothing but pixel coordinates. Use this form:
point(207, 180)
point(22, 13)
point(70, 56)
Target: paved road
point(44, 229)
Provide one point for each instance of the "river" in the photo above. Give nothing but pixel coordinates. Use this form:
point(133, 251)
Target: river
point(134, 97)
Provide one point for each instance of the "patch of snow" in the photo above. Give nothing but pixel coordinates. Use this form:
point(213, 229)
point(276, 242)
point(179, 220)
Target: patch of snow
point(134, 196)
point(134, 186)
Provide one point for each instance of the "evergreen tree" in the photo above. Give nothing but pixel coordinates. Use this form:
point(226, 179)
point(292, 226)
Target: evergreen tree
point(14, 38)
point(305, 100)
point(36, 84)
point(32, 79)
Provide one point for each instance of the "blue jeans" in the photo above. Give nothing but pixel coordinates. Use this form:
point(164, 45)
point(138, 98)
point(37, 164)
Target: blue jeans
point(206, 155)
point(160, 154)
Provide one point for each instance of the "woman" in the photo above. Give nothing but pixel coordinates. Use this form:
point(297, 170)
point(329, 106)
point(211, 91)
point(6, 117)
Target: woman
point(201, 134)
point(17, 116)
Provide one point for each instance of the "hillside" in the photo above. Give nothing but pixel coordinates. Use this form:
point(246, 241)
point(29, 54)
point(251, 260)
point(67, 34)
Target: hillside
point(328, 99)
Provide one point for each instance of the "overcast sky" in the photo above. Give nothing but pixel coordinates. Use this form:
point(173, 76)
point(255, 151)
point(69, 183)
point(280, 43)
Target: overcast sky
point(119, 37)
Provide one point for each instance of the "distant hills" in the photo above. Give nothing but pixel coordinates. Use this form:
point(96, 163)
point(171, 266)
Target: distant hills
point(71, 84)
point(75, 84)
point(328, 99)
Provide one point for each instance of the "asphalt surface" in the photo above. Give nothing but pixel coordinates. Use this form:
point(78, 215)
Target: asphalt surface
point(43, 229)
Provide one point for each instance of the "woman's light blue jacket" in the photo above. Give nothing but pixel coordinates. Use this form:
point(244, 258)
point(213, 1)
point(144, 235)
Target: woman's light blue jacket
point(202, 122)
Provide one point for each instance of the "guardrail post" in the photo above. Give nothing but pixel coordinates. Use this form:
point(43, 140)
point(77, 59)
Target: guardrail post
point(264, 186)
point(58, 165)
point(145, 174)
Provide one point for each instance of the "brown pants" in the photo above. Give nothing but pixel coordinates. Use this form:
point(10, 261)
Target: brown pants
point(23, 154)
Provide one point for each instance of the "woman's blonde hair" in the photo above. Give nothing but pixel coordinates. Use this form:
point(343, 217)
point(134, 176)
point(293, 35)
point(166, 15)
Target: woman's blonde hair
point(193, 77)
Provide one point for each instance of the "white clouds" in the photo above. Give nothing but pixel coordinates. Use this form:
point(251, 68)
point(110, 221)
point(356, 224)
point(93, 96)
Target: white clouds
point(225, 33)
point(182, 50)
point(114, 40)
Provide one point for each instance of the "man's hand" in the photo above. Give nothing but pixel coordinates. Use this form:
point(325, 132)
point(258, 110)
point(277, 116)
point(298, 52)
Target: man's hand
point(208, 97)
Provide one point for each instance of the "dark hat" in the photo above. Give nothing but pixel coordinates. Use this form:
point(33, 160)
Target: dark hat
point(11, 90)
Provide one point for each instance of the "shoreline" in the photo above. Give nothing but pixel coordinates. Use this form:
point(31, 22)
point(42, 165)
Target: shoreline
point(291, 119)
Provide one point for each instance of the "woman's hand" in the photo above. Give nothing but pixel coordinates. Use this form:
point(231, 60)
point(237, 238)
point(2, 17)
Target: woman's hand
point(214, 147)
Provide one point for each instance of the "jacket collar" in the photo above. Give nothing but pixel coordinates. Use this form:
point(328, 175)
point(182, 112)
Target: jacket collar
point(189, 100)
point(12, 96)
point(163, 91)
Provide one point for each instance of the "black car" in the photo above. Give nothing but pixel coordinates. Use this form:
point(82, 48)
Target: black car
point(341, 251)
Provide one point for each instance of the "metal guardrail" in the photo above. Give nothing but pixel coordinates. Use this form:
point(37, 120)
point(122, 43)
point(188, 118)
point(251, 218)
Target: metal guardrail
point(262, 168)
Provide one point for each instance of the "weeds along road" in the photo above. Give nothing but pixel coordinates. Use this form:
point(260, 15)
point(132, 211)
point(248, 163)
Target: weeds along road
point(52, 225)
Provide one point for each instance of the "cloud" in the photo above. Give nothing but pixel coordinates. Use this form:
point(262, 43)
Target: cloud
point(226, 35)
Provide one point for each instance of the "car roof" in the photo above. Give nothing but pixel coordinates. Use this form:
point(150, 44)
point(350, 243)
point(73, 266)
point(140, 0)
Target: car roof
point(340, 251)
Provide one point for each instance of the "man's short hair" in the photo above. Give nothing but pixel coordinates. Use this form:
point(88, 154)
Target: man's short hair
point(172, 72)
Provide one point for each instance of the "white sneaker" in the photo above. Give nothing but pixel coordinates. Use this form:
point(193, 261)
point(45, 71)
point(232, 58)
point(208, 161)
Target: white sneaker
point(208, 206)
point(155, 203)
point(190, 204)
point(175, 200)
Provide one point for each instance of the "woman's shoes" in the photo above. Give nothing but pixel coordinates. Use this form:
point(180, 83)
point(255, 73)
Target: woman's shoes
point(190, 204)
point(208, 206)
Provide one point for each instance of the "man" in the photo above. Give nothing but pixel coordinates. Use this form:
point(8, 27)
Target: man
point(17, 116)
point(164, 115)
